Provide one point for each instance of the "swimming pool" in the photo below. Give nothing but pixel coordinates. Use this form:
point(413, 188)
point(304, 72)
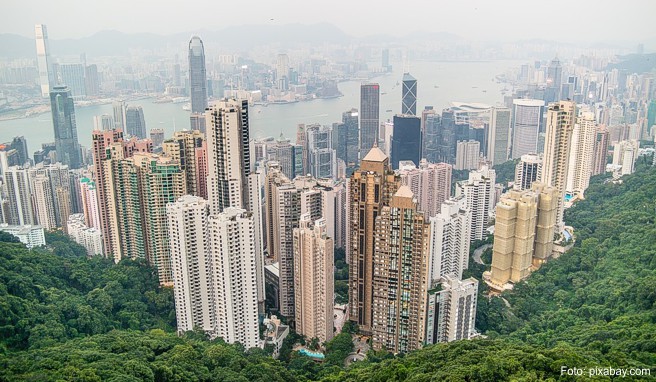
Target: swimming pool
point(312, 354)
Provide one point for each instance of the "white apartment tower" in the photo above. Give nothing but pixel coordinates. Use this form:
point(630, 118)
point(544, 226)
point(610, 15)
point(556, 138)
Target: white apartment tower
point(557, 145)
point(451, 310)
point(449, 241)
point(479, 193)
point(467, 155)
point(527, 171)
point(581, 156)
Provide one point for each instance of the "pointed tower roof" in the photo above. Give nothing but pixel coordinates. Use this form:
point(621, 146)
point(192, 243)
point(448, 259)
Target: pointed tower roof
point(404, 192)
point(375, 155)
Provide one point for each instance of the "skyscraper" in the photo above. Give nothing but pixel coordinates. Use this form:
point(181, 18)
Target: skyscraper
point(554, 80)
point(313, 279)
point(119, 109)
point(400, 279)
point(46, 74)
point(432, 122)
point(90, 209)
point(72, 75)
point(526, 125)
point(498, 142)
point(523, 233)
point(370, 189)
point(409, 95)
point(214, 269)
point(406, 140)
point(369, 117)
point(581, 155)
point(479, 194)
point(624, 156)
point(430, 183)
point(527, 171)
point(449, 241)
point(347, 137)
point(17, 182)
point(557, 146)
point(320, 153)
point(282, 72)
point(135, 124)
point(600, 150)
point(63, 120)
point(197, 75)
point(188, 147)
point(103, 122)
point(467, 155)
point(43, 203)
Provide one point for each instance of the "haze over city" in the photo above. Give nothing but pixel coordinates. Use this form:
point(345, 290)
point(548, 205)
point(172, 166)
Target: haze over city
point(334, 191)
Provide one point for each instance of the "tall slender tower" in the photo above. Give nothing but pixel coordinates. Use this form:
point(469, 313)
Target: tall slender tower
point(369, 116)
point(313, 279)
point(63, 121)
point(409, 95)
point(370, 189)
point(190, 149)
point(581, 156)
point(526, 125)
point(46, 75)
point(135, 124)
point(600, 150)
point(557, 146)
point(197, 75)
point(400, 275)
point(498, 142)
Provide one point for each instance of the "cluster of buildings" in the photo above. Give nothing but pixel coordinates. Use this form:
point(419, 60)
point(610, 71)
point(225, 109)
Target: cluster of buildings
point(241, 228)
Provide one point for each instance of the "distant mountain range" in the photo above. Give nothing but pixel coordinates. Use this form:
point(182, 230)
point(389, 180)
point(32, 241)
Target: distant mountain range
point(115, 43)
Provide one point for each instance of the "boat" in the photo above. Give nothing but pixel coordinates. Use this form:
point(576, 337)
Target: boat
point(186, 107)
point(436, 86)
point(388, 110)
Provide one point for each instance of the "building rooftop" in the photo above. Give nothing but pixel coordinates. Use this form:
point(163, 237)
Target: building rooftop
point(405, 192)
point(375, 155)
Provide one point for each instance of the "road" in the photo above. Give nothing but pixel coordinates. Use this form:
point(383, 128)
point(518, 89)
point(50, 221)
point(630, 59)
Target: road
point(479, 251)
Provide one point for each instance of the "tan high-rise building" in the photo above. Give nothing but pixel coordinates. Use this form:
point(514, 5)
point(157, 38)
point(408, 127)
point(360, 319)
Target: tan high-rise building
point(400, 275)
point(44, 208)
point(557, 145)
point(523, 232)
point(189, 148)
point(581, 155)
point(430, 183)
point(370, 189)
point(313, 279)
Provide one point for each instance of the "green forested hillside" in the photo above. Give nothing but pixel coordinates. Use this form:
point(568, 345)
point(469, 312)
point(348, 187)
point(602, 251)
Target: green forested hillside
point(65, 317)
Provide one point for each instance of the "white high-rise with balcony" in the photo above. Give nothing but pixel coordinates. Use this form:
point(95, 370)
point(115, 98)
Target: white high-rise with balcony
point(449, 240)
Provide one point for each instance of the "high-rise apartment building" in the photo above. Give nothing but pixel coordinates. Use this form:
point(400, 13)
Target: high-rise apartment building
point(119, 108)
point(581, 155)
point(479, 193)
point(283, 152)
point(467, 155)
point(313, 279)
point(400, 275)
point(600, 150)
point(523, 233)
point(43, 203)
point(369, 117)
point(214, 268)
point(135, 124)
point(370, 189)
point(63, 121)
point(430, 183)
point(409, 95)
point(188, 147)
point(526, 126)
point(197, 75)
point(17, 182)
point(157, 137)
point(232, 180)
point(451, 310)
point(557, 145)
point(527, 171)
point(103, 122)
point(88, 237)
point(321, 156)
point(406, 140)
point(46, 74)
point(90, 207)
point(449, 241)
point(498, 142)
point(625, 154)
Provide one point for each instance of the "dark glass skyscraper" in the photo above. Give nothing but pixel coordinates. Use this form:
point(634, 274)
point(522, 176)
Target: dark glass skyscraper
point(447, 138)
point(406, 140)
point(431, 138)
point(197, 75)
point(347, 140)
point(409, 95)
point(369, 116)
point(63, 120)
point(135, 124)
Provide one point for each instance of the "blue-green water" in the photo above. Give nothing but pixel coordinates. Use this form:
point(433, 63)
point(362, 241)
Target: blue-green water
point(438, 84)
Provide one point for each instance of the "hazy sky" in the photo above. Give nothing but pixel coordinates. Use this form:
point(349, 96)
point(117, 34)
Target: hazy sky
point(579, 20)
